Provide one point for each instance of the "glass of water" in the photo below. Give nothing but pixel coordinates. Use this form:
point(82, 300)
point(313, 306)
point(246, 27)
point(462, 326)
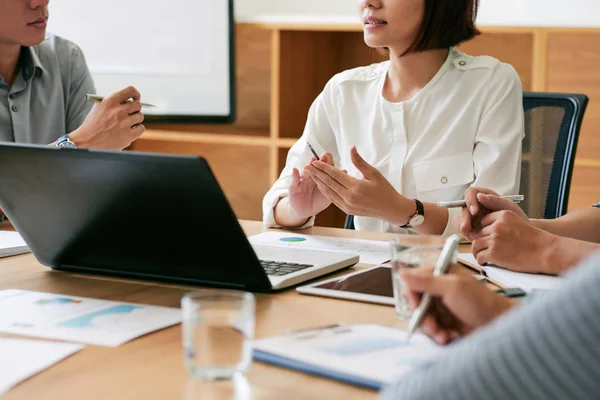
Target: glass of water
point(218, 329)
point(412, 251)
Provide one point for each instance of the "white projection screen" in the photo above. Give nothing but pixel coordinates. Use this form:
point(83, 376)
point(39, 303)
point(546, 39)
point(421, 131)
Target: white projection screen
point(178, 53)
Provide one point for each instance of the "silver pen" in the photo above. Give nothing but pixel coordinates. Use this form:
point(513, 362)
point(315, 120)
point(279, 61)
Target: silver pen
point(442, 266)
point(97, 99)
point(517, 198)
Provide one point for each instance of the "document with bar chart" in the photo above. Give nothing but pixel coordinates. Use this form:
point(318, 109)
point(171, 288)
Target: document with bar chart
point(80, 319)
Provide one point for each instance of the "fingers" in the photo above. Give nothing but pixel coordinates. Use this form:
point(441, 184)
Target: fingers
point(364, 167)
point(295, 177)
point(471, 198)
point(327, 158)
point(327, 180)
point(133, 107)
point(330, 192)
point(465, 222)
point(129, 93)
point(495, 203)
point(330, 174)
point(135, 119)
point(138, 130)
point(479, 246)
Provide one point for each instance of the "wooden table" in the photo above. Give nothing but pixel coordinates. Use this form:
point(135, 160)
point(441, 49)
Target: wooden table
point(152, 367)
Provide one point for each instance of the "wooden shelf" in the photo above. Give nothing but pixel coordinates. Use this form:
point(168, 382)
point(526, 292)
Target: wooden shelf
point(282, 66)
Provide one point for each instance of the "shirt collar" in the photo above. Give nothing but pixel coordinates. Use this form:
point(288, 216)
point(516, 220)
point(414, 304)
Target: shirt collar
point(30, 63)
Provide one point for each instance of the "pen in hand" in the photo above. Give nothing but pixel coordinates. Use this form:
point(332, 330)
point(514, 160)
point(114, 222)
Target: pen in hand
point(97, 99)
point(442, 266)
point(313, 151)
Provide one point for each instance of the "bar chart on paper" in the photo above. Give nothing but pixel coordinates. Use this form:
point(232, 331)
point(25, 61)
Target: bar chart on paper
point(370, 251)
point(79, 319)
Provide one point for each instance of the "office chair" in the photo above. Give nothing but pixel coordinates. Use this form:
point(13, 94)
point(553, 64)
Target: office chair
point(552, 126)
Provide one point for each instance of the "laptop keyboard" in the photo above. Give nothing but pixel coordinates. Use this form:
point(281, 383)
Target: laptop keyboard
point(279, 268)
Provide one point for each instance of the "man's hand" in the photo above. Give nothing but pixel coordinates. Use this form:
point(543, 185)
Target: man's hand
point(481, 202)
point(460, 305)
point(510, 241)
point(114, 123)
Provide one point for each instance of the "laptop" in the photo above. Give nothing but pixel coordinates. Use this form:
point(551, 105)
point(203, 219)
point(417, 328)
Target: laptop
point(142, 216)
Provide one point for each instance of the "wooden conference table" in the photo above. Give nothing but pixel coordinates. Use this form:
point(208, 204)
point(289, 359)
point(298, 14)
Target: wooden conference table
point(151, 367)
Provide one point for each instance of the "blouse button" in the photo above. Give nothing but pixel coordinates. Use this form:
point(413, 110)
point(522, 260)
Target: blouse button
point(462, 63)
point(444, 180)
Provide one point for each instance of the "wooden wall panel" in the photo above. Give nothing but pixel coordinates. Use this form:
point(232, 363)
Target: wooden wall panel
point(512, 48)
point(585, 188)
point(242, 171)
point(307, 62)
point(574, 60)
point(253, 77)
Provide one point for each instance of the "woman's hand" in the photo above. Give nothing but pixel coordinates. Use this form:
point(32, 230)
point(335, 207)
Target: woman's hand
point(305, 198)
point(372, 196)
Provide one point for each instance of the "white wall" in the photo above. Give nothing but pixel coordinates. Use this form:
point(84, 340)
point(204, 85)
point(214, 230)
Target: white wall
point(576, 13)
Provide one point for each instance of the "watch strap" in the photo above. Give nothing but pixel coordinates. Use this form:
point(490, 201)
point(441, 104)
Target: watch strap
point(420, 211)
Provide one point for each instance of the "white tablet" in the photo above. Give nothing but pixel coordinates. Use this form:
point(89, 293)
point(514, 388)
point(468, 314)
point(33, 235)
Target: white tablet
point(372, 285)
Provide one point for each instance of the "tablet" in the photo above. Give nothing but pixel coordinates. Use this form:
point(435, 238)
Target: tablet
point(372, 285)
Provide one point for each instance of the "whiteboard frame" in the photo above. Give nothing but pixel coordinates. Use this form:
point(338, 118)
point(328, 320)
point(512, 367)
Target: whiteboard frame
point(210, 119)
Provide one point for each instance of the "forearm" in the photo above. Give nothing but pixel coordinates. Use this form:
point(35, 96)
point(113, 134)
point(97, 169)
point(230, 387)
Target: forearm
point(582, 224)
point(546, 349)
point(563, 253)
point(285, 216)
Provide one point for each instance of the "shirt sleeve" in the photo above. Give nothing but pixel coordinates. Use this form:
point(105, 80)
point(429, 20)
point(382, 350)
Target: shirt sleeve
point(499, 142)
point(319, 132)
point(548, 348)
point(81, 83)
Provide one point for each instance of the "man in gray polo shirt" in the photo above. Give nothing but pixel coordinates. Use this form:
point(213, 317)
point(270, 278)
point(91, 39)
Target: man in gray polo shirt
point(43, 85)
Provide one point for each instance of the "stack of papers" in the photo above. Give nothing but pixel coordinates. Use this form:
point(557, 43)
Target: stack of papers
point(12, 244)
point(365, 355)
point(510, 279)
point(369, 251)
point(79, 319)
point(21, 359)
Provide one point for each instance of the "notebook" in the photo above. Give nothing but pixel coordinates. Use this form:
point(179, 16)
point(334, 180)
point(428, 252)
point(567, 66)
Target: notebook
point(365, 355)
point(507, 278)
point(12, 244)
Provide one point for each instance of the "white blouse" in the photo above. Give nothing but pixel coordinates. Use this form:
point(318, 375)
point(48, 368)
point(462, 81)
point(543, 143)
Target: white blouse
point(465, 128)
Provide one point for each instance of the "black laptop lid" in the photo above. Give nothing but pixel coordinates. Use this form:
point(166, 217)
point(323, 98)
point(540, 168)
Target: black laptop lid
point(128, 214)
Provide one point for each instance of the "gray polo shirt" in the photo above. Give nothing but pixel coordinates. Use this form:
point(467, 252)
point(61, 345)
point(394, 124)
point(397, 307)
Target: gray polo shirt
point(47, 98)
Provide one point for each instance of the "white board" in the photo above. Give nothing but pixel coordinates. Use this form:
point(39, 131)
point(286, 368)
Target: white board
point(177, 53)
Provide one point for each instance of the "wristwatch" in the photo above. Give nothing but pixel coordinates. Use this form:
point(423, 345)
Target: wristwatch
point(65, 143)
point(418, 218)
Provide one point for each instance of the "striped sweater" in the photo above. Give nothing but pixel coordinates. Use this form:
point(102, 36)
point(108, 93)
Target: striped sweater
point(548, 348)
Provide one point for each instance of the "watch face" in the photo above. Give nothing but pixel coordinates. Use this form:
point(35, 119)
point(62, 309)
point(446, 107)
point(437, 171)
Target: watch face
point(417, 220)
point(67, 144)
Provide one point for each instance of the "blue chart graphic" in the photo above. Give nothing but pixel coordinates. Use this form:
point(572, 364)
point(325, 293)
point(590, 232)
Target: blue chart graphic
point(292, 239)
point(58, 300)
point(365, 346)
point(86, 320)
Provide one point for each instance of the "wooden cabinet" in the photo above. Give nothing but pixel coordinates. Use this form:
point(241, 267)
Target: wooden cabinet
point(282, 68)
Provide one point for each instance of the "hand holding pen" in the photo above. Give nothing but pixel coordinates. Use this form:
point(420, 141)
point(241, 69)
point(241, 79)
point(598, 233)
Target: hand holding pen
point(459, 305)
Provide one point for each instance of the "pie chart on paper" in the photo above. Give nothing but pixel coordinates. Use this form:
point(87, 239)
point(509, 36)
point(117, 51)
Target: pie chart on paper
point(292, 239)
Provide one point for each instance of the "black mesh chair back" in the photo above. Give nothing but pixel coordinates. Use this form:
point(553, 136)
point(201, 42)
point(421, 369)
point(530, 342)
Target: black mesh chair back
point(552, 125)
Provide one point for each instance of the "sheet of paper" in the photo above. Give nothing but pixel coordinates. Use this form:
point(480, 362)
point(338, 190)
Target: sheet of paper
point(21, 359)
point(370, 351)
point(11, 244)
point(370, 251)
point(527, 282)
point(79, 319)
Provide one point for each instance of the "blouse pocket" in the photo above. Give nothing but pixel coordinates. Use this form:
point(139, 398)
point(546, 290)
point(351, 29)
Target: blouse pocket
point(444, 173)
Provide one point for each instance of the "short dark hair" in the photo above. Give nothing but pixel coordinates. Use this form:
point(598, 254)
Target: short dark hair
point(446, 23)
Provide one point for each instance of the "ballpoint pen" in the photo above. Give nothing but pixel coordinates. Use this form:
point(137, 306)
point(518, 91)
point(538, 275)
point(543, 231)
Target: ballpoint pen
point(97, 99)
point(442, 266)
point(313, 151)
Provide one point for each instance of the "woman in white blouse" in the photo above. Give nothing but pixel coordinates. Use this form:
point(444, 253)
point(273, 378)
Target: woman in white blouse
point(395, 138)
